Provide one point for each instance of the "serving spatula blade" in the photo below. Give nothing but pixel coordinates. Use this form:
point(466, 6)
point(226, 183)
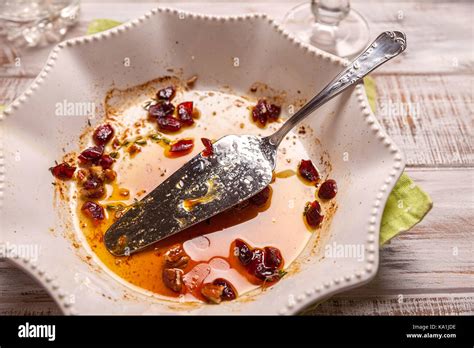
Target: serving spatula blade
point(239, 167)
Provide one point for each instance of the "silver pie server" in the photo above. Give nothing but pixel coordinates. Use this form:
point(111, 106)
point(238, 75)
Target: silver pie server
point(240, 167)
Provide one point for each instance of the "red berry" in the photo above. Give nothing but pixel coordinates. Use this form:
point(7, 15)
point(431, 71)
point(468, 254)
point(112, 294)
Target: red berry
point(162, 109)
point(261, 263)
point(91, 154)
point(308, 171)
point(261, 198)
point(103, 134)
point(313, 214)
point(185, 113)
point(169, 124)
point(209, 149)
point(63, 171)
point(106, 161)
point(273, 258)
point(166, 93)
point(228, 293)
point(243, 252)
point(328, 189)
point(259, 112)
point(92, 183)
point(182, 146)
point(257, 266)
point(93, 210)
point(263, 112)
point(273, 111)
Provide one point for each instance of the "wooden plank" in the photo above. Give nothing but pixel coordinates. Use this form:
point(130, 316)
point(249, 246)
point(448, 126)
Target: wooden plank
point(394, 305)
point(430, 117)
point(430, 266)
point(437, 255)
point(443, 47)
point(11, 88)
point(21, 295)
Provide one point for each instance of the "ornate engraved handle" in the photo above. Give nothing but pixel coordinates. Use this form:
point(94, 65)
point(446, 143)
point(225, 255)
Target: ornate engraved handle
point(387, 46)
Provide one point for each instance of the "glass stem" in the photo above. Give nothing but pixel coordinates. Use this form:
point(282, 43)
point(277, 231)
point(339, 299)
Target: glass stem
point(330, 12)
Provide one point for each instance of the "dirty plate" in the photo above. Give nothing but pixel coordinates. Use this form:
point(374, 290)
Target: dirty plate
point(40, 231)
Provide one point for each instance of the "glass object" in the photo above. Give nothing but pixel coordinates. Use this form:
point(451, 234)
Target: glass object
point(330, 25)
point(37, 22)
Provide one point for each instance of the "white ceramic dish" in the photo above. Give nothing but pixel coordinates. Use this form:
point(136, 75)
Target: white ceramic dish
point(365, 162)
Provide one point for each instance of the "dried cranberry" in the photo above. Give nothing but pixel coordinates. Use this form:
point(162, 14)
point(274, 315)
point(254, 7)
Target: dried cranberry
point(257, 266)
point(259, 112)
point(166, 93)
point(182, 146)
point(313, 214)
point(63, 171)
point(169, 124)
point(265, 264)
point(209, 149)
point(103, 134)
point(243, 252)
point(228, 293)
point(261, 198)
point(328, 189)
point(93, 211)
point(262, 112)
point(261, 263)
point(106, 161)
point(273, 258)
point(92, 183)
point(91, 154)
point(308, 171)
point(273, 111)
point(161, 109)
point(185, 113)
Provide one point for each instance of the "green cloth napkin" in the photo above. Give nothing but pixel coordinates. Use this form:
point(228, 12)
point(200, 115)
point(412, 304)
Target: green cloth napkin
point(406, 205)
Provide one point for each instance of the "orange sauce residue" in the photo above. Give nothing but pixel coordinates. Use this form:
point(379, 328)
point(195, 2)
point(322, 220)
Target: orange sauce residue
point(210, 244)
point(144, 269)
point(210, 195)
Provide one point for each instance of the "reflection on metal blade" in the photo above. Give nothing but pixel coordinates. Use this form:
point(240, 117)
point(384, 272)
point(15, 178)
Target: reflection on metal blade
point(240, 167)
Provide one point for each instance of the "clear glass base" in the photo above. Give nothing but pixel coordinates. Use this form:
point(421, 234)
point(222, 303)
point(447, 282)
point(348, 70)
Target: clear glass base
point(37, 22)
point(346, 40)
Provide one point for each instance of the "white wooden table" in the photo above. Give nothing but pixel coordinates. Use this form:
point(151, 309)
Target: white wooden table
point(425, 271)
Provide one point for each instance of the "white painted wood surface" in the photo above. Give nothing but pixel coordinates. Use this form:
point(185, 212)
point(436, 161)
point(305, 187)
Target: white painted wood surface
point(427, 270)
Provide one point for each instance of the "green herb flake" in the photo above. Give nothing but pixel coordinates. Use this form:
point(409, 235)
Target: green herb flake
point(147, 104)
point(115, 207)
point(158, 137)
point(166, 141)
